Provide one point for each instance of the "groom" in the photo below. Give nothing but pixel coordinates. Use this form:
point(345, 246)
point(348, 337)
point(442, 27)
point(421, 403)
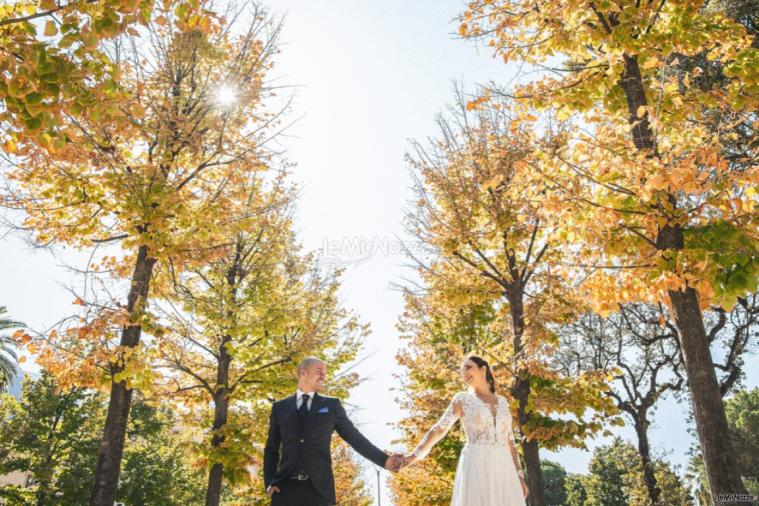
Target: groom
point(297, 459)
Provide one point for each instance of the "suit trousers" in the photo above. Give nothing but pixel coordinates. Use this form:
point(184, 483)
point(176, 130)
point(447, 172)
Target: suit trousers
point(298, 493)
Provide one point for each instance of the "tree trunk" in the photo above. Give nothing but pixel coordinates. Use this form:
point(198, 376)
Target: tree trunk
point(533, 473)
point(114, 432)
point(641, 429)
point(43, 493)
point(530, 447)
point(221, 409)
point(44, 477)
point(711, 423)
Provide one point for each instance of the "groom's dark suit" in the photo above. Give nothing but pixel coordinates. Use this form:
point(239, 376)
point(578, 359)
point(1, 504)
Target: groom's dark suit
point(291, 449)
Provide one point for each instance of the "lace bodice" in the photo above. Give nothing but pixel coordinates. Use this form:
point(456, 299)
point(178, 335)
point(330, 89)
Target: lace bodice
point(477, 418)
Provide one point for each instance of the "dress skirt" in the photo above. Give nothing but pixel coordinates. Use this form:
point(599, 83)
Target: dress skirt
point(486, 476)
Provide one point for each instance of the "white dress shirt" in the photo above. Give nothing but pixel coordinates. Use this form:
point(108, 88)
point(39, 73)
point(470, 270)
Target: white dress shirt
point(300, 395)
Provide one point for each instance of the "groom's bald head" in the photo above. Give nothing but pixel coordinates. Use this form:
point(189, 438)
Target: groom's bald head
point(312, 372)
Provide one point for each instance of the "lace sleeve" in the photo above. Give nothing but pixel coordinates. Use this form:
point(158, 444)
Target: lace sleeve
point(510, 435)
point(440, 429)
point(510, 429)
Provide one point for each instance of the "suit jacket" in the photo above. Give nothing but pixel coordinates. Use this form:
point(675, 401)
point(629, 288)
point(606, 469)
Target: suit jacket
point(287, 446)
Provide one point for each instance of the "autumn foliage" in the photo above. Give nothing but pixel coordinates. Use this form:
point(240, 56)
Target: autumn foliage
point(140, 133)
point(658, 165)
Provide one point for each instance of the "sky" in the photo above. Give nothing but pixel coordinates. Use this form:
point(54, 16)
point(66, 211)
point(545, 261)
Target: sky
point(368, 77)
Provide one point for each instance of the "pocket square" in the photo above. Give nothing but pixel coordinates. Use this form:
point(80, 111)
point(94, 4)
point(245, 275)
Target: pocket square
point(323, 410)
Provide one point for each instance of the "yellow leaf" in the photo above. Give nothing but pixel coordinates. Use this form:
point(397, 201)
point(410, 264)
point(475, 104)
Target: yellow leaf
point(651, 63)
point(641, 111)
point(563, 114)
point(50, 29)
point(21, 359)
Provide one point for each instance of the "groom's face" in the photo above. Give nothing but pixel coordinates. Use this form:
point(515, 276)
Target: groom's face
point(313, 377)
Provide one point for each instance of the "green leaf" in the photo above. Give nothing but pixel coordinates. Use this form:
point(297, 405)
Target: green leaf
point(33, 123)
point(33, 98)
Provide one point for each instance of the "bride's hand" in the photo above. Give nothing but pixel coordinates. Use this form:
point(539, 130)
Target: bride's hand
point(525, 490)
point(408, 460)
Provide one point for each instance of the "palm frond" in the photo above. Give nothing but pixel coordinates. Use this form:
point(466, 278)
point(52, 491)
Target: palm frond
point(8, 356)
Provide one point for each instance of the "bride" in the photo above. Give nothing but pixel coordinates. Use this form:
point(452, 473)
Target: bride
point(488, 472)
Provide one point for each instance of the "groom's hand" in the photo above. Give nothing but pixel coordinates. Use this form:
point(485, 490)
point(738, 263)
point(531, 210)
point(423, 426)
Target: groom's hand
point(394, 462)
point(272, 490)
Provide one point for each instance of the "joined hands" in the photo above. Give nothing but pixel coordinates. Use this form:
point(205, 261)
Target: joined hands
point(397, 461)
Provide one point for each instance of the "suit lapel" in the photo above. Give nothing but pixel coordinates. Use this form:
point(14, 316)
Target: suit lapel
point(292, 412)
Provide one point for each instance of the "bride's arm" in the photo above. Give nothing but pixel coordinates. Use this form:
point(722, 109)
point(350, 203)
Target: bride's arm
point(436, 433)
point(512, 445)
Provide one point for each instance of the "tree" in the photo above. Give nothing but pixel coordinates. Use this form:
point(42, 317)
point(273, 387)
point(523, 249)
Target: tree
point(52, 435)
point(481, 215)
point(153, 168)
point(555, 481)
point(734, 334)
point(646, 358)
point(39, 429)
point(240, 323)
point(8, 357)
point(742, 411)
point(640, 342)
point(156, 449)
point(576, 494)
point(350, 485)
point(658, 197)
point(607, 470)
point(436, 347)
point(612, 480)
point(50, 75)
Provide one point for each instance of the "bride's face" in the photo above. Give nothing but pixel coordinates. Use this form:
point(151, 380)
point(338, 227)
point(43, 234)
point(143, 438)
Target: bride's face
point(471, 374)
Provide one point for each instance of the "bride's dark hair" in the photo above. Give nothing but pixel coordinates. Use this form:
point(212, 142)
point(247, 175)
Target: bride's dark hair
point(481, 362)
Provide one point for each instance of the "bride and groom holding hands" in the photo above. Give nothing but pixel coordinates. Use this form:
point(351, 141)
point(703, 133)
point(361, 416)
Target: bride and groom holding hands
point(297, 462)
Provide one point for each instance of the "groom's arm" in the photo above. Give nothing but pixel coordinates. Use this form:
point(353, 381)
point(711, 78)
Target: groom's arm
point(353, 437)
point(271, 450)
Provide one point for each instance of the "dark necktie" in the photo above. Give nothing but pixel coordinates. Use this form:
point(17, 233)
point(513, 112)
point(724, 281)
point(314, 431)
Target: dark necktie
point(303, 411)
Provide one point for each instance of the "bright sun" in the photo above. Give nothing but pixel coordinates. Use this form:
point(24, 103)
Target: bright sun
point(226, 95)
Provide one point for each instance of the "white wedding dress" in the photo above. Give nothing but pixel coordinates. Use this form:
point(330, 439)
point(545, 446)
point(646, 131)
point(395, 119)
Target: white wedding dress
point(485, 475)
